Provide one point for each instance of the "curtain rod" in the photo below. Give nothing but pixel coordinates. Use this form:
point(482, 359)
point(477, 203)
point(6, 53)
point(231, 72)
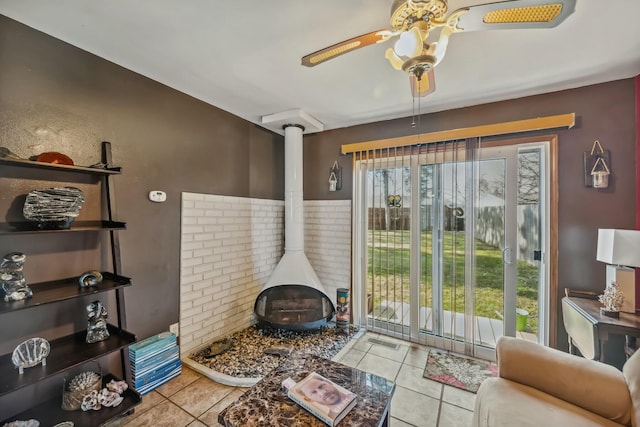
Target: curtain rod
point(539, 123)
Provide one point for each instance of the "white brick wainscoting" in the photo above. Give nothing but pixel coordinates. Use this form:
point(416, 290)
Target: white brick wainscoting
point(230, 246)
point(327, 228)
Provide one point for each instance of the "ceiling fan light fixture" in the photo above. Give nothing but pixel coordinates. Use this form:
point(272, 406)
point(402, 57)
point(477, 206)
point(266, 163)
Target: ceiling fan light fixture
point(419, 65)
point(409, 43)
point(395, 61)
point(404, 13)
point(541, 13)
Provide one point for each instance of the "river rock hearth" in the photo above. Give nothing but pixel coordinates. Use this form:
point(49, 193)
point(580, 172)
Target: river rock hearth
point(249, 355)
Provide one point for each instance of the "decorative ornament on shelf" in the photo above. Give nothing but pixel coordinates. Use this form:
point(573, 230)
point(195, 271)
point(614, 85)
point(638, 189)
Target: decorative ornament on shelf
point(30, 353)
point(75, 388)
point(8, 154)
point(90, 278)
point(53, 208)
point(28, 423)
point(97, 319)
point(55, 158)
point(12, 279)
point(612, 299)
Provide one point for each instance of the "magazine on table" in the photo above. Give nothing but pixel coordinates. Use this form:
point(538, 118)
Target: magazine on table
point(322, 397)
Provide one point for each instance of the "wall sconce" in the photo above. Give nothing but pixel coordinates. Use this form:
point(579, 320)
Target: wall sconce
point(335, 177)
point(596, 169)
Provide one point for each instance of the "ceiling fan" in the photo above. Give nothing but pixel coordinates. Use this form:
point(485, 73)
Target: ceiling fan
point(423, 30)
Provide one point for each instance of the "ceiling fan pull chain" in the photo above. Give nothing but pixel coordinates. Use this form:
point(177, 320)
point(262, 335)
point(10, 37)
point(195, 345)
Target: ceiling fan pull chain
point(413, 113)
point(419, 116)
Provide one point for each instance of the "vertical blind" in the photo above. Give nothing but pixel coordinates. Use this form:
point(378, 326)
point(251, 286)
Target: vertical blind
point(411, 205)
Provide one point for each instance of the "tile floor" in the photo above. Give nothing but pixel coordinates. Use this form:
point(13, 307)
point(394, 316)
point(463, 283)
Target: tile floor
point(193, 400)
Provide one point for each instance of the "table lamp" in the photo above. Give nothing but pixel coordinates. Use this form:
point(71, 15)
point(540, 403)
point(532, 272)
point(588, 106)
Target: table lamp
point(620, 249)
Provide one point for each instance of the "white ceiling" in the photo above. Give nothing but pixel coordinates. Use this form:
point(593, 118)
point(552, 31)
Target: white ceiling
point(244, 56)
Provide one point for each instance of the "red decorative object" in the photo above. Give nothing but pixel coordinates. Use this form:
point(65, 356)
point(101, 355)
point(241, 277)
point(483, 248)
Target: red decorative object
point(55, 158)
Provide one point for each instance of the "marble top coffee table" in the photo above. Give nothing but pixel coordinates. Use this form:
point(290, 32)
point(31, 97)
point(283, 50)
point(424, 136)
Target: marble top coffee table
point(267, 404)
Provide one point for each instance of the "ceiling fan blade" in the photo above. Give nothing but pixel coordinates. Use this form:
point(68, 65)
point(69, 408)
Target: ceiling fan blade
point(515, 14)
point(425, 86)
point(343, 47)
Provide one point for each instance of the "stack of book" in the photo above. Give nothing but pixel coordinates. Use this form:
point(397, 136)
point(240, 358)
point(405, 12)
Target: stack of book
point(154, 361)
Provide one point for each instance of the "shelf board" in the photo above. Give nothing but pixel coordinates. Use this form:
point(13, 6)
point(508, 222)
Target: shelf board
point(63, 168)
point(29, 227)
point(64, 289)
point(66, 353)
point(50, 413)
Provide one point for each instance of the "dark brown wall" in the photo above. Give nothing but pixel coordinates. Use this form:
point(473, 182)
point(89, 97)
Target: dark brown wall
point(55, 97)
point(605, 112)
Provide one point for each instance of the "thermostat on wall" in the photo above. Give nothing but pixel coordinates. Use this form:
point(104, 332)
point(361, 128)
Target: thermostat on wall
point(157, 196)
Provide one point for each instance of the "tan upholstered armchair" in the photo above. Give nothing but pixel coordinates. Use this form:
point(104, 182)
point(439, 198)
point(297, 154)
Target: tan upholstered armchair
point(540, 386)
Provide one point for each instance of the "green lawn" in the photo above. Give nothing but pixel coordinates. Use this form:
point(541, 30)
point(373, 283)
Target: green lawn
point(388, 274)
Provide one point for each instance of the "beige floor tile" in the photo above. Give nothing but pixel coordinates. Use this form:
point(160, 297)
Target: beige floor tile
point(197, 423)
point(459, 397)
point(362, 343)
point(343, 351)
point(184, 379)
point(414, 408)
point(453, 416)
point(380, 366)
point(417, 356)
point(394, 422)
point(352, 358)
point(210, 417)
point(149, 401)
point(166, 414)
point(411, 377)
point(200, 395)
point(396, 354)
point(119, 422)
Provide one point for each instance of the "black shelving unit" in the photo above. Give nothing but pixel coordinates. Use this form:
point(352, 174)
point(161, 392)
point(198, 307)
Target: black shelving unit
point(71, 351)
point(51, 412)
point(64, 289)
point(57, 167)
point(31, 228)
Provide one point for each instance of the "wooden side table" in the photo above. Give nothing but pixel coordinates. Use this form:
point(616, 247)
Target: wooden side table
point(588, 309)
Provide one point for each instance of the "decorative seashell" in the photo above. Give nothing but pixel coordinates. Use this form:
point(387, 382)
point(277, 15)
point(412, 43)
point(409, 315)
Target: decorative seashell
point(30, 352)
point(107, 398)
point(83, 381)
point(90, 278)
point(115, 402)
point(28, 423)
point(89, 402)
point(65, 424)
point(117, 386)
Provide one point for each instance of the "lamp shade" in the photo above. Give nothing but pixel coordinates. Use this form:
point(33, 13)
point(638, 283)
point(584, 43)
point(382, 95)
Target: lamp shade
point(619, 247)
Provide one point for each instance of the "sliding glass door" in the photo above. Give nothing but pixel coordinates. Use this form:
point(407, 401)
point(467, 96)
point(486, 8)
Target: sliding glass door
point(439, 244)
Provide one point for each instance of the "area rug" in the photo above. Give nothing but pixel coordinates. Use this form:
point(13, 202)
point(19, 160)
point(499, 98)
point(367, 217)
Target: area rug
point(458, 371)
